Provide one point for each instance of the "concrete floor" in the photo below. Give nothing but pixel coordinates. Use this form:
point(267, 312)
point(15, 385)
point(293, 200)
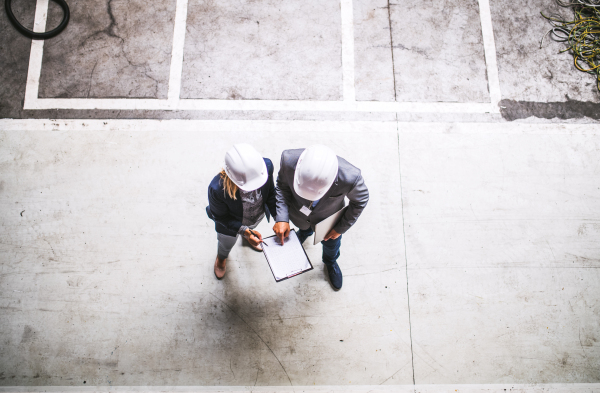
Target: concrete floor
point(475, 266)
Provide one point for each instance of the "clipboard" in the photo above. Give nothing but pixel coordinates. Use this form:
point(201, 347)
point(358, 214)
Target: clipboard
point(323, 227)
point(286, 263)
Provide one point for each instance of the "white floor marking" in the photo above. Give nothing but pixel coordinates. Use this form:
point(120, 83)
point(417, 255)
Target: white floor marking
point(337, 106)
point(173, 101)
point(134, 125)
point(35, 56)
point(260, 105)
point(348, 49)
point(292, 126)
point(177, 52)
point(489, 46)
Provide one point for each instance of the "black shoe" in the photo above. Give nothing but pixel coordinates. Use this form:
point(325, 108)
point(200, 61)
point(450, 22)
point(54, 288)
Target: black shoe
point(335, 276)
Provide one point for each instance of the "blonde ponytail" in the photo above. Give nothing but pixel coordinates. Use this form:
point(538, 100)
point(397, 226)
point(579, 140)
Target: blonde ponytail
point(229, 187)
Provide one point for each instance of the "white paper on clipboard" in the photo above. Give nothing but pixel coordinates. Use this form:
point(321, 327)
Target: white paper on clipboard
point(323, 228)
point(288, 260)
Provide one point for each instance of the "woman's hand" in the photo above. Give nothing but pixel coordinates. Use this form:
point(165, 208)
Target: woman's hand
point(254, 240)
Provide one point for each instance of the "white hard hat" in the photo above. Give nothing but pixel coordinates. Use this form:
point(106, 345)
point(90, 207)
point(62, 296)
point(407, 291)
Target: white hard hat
point(315, 172)
point(246, 167)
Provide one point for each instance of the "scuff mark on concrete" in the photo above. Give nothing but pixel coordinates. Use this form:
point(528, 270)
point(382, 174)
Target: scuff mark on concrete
point(28, 334)
point(572, 109)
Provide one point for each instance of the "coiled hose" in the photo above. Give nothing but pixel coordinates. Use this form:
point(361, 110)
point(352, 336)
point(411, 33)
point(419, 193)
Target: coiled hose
point(582, 34)
point(39, 36)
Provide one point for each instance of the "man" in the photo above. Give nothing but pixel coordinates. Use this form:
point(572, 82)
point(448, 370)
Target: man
point(311, 186)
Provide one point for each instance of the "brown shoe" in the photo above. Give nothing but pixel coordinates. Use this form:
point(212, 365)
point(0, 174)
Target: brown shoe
point(220, 268)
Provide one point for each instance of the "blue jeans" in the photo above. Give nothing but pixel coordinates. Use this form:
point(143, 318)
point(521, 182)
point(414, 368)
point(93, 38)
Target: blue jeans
point(331, 247)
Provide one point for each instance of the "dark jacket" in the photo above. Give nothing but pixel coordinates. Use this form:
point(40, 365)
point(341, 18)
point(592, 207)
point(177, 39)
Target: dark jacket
point(228, 213)
point(349, 183)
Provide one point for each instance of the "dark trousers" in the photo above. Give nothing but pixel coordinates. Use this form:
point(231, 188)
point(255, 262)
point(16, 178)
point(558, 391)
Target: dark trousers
point(331, 247)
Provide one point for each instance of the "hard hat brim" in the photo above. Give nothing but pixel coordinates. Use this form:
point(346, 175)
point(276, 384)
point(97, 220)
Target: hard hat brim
point(306, 192)
point(257, 182)
point(310, 196)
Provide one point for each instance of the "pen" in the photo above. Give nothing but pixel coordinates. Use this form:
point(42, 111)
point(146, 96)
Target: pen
point(257, 237)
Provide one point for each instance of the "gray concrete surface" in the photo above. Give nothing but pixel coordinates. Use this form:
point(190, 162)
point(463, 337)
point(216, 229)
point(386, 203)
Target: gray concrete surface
point(107, 269)
point(374, 73)
point(474, 267)
point(14, 58)
point(528, 73)
point(469, 388)
point(263, 50)
point(538, 82)
point(502, 250)
point(111, 48)
point(131, 59)
point(438, 51)
point(434, 51)
point(107, 259)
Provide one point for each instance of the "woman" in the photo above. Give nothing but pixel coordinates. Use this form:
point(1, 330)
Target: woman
point(238, 199)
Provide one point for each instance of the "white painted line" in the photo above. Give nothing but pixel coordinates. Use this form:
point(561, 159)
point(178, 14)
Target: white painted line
point(462, 388)
point(186, 125)
point(294, 126)
point(489, 46)
point(173, 102)
point(101, 103)
point(348, 50)
point(261, 105)
point(35, 56)
point(334, 106)
point(177, 51)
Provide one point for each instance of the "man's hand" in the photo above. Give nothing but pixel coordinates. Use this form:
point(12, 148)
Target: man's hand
point(332, 235)
point(254, 240)
point(282, 230)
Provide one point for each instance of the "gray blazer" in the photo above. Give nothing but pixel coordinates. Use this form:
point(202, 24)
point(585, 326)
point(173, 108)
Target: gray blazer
point(348, 183)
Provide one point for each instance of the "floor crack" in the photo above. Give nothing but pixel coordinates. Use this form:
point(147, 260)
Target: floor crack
point(110, 30)
point(392, 50)
point(412, 356)
point(254, 331)
point(91, 78)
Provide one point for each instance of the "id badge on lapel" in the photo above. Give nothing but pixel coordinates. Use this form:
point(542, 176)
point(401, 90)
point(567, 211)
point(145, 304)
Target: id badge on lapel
point(305, 210)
